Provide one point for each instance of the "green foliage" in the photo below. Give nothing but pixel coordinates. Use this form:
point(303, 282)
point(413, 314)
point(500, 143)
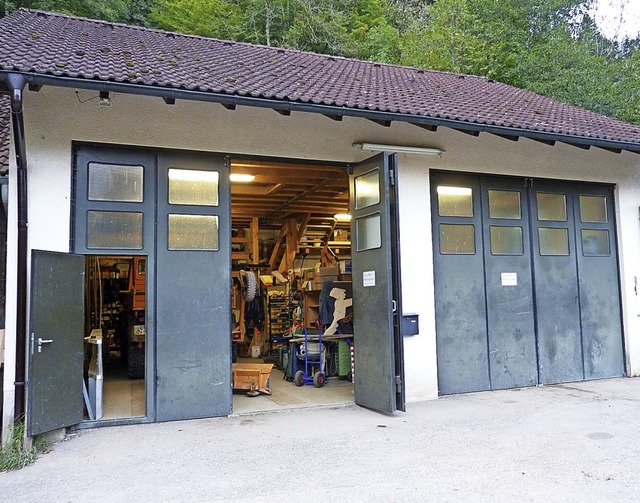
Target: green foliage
point(13, 455)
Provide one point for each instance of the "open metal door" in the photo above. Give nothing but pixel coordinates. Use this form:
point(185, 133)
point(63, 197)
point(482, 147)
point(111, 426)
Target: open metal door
point(55, 341)
point(379, 374)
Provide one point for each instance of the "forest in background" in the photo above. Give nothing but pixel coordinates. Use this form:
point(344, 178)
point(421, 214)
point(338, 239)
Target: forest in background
point(551, 47)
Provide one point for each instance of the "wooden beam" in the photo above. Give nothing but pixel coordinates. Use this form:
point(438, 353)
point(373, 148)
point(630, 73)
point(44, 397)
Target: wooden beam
point(384, 123)
point(507, 136)
point(255, 241)
point(428, 127)
point(469, 132)
point(551, 143)
point(614, 150)
point(276, 248)
point(578, 145)
point(291, 234)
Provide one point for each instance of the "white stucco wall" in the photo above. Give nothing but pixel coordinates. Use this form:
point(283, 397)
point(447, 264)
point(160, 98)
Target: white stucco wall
point(56, 117)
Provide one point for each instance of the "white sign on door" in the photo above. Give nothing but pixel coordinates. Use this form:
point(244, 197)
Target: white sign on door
point(509, 278)
point(369, 278)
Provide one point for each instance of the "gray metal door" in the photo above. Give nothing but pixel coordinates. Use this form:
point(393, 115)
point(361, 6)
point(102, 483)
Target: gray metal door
point(378, 346)
point(193, 339)
point(598, 282)
point(509, 289)
point(56, 329)
point(556, 282)
point(461, 316)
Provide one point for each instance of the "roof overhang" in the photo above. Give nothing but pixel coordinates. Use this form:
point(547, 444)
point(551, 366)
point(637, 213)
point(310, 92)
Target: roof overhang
point(286, 107)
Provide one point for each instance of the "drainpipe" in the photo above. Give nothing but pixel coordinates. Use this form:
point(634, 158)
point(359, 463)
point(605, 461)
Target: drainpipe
point(16, 84)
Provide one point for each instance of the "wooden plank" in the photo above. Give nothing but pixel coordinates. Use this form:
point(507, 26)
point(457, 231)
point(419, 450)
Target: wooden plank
point(276, 248)
point(255, 241)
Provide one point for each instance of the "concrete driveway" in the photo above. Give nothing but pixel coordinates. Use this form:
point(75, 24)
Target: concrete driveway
point(577, 442)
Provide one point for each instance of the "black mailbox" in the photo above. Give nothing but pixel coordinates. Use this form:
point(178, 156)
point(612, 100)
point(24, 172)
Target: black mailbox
point(409, 324)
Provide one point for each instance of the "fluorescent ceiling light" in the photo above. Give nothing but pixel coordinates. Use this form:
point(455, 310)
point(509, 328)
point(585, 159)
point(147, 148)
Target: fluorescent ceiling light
point(342, 217)
point(241, 177)
point(377, 147)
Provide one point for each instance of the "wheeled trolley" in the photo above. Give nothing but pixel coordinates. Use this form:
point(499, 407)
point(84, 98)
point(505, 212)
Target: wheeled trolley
point(313, 355)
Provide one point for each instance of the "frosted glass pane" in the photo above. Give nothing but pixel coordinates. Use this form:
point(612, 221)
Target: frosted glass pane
point(112, 182)
point(114, 230)
point(552, 206)
point(593, 209)
point(553, 241)
point(504, 204)
point(193, 187)
point(455, 201)
point(367, 188)
point(457, 239)
point(506, 240)
point(595, 243)
point(368, 233)
point(193, 232)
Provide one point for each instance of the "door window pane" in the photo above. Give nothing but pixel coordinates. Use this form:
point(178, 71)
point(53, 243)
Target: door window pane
point(193, 232)
point(114, 230)
point(506, 240)
point(552, 206)
point(368, 233)
point(193, 187)
point(595, 243)
point(113, 182)
point(457, 239)
point(367, 188)
point(553, 241)
point(593, 209)
point(504, 204)
point(455, 201)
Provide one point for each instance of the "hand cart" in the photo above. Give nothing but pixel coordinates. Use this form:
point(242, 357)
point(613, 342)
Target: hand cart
point(305, 376)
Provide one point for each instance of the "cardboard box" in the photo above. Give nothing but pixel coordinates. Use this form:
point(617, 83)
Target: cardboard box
point(319, 281)
point(327, 271)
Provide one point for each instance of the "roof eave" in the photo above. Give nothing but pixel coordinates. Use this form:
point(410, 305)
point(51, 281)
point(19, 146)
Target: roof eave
point(231, 101)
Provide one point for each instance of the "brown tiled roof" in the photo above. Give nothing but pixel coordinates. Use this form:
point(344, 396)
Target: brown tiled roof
point(57, 45)
point(5, 118)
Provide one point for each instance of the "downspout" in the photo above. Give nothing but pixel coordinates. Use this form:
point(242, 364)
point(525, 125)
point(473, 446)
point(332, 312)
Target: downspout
point(16, 84)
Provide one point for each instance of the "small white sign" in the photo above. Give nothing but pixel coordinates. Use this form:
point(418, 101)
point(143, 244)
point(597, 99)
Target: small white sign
point(509, 278)
point(369, 278)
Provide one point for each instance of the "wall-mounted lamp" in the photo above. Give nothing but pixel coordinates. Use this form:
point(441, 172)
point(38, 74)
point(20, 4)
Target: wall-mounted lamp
point(105, 100)
point(377, 147)
point(241, 177)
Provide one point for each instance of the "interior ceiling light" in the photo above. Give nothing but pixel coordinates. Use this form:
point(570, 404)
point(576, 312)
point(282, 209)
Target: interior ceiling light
point(378, 147)
point(342, 217)
point(241, 177)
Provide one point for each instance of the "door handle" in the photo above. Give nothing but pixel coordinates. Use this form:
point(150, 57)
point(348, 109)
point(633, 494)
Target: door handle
point(42, 341)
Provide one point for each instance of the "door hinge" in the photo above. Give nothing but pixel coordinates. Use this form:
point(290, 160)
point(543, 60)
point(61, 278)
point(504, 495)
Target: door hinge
point(392, 177)
point(398, 384)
